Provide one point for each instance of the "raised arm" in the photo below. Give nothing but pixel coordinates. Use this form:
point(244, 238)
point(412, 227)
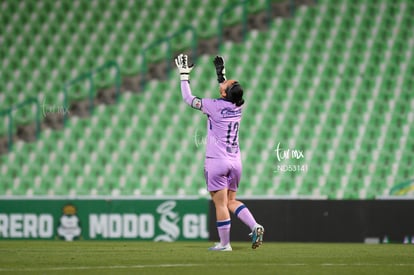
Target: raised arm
point(220, 70)
point(188, 97)
point(182, 64)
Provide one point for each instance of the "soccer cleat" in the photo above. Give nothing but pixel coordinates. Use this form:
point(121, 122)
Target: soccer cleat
point(219, 247)
point(257, 236)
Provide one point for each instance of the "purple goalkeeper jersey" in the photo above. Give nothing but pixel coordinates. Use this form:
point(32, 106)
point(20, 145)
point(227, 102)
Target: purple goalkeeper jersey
point(222, 126)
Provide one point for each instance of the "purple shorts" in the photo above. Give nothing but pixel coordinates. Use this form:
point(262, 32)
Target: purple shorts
point(222, 174)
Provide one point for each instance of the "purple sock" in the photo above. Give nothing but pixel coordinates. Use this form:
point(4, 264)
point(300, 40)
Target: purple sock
point(243, 213)
point(223, 228)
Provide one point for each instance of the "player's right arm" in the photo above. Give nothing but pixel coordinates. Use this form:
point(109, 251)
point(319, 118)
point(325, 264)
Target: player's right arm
point(220, 70)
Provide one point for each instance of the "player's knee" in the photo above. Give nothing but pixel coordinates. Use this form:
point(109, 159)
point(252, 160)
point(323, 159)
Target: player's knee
point(232, 204)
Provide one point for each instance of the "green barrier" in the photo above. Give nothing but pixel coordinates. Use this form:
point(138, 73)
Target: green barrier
point(169, 51)
point(225, 12)
point(88, 76)
point(403, 188)
point(8, 113)
point(228, 10)
point(104, 219)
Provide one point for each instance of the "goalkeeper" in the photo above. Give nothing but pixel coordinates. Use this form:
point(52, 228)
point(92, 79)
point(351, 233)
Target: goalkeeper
point(222, 166)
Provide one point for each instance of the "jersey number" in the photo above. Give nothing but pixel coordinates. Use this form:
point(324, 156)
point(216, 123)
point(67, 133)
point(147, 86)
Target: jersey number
point(232, 129)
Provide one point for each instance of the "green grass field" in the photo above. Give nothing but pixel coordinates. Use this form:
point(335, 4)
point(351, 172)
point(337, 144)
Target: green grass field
point(110, 257)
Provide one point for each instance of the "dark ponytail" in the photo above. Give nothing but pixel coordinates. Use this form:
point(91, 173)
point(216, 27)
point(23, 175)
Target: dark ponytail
point(235, 94)
point(240, 102)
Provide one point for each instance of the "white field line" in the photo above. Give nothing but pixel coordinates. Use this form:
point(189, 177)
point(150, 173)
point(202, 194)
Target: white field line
point(97, 267)
point(64, 268)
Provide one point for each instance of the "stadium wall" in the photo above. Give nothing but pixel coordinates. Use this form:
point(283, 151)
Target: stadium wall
point(168, 219)
point(326, 220)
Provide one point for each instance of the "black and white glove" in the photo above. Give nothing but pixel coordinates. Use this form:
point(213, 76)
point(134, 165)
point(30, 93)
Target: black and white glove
point(220, 70)
point(182, 64)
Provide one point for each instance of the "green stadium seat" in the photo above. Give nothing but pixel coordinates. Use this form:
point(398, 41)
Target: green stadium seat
point(315, 98)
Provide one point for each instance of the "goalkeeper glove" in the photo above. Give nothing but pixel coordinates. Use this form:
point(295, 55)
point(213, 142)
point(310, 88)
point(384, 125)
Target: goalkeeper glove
point(182, 64)
point(220, 70)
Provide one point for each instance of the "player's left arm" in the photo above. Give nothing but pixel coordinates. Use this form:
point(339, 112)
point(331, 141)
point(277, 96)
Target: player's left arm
point(182, 64)
point(188, 97)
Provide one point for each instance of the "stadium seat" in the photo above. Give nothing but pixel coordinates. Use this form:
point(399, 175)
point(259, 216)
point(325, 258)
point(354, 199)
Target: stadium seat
point(333, 81)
